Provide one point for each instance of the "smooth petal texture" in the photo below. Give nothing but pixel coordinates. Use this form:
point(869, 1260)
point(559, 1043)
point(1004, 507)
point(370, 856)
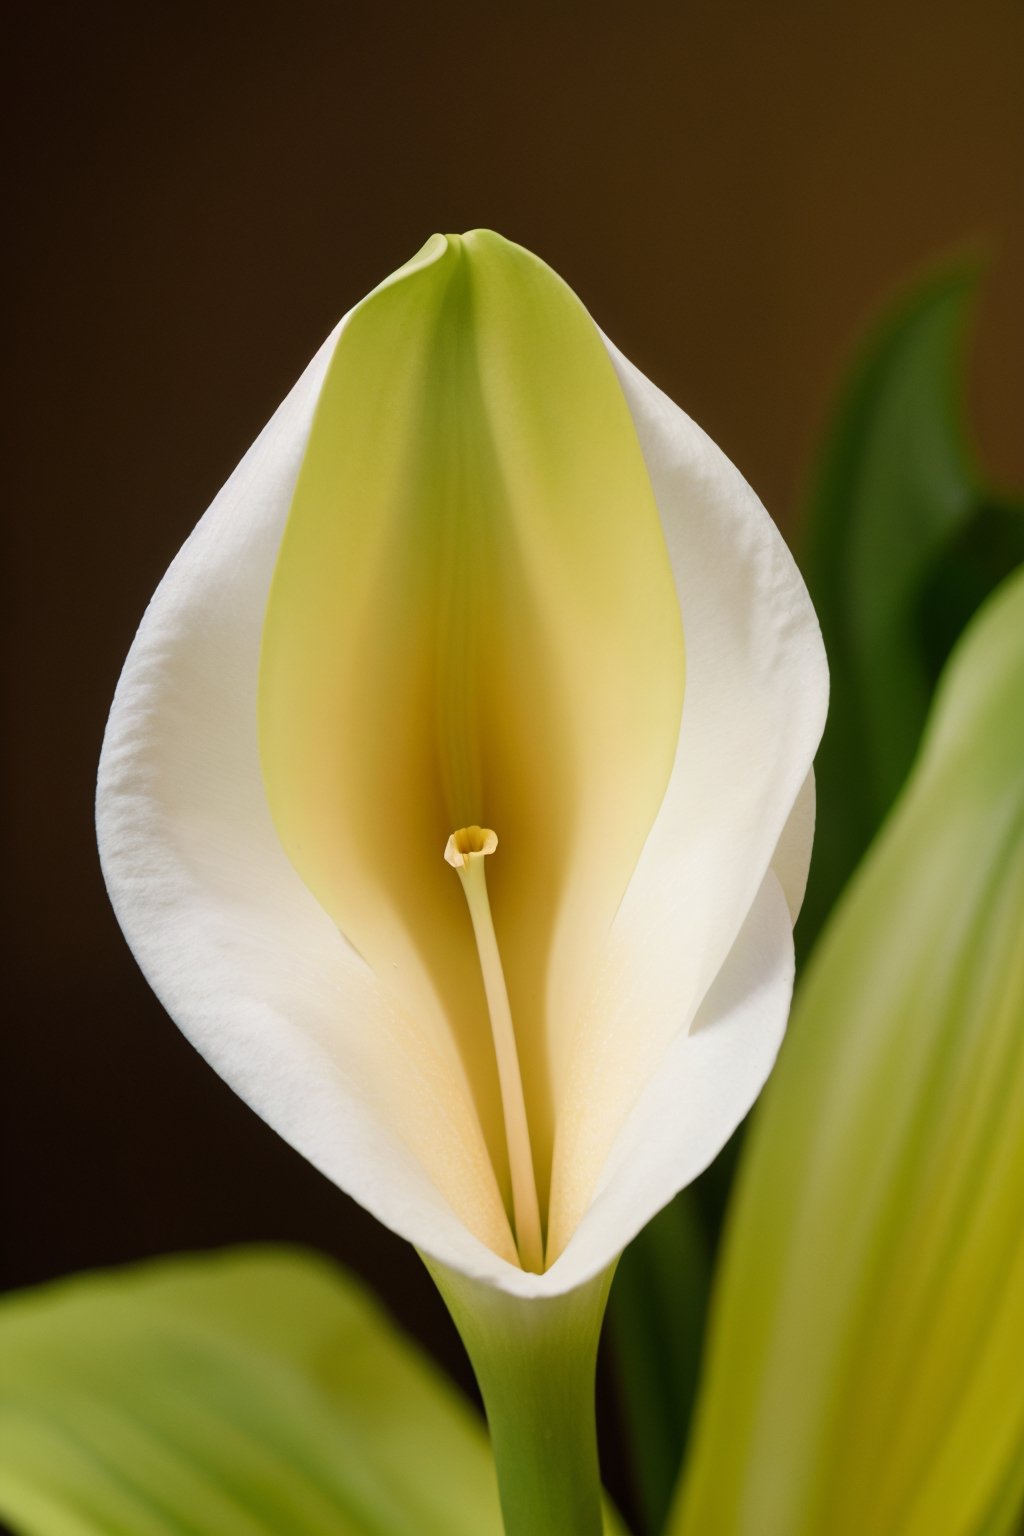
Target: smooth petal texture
point(473, 622)
point(864, 1367)
point(253, 1392)
point(689, 1005)
point(241, 954)
point(792, 860)
point(705, 1083)
point(756, 696)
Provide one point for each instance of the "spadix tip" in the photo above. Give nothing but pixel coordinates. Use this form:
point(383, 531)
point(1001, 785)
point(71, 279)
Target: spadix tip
point(467, 841)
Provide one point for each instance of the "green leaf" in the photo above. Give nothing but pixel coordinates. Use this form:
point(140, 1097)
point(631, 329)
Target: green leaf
point(256, 1392)
point(864, 1365)
point(902, 542)
point(655, 1329)
point(1006, 1517)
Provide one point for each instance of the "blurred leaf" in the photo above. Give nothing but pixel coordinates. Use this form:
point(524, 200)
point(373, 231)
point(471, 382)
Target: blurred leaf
point(864, 1368)
point(902, 542)
point(655, 1328)
point(1006, 1517)
point(257, 1392)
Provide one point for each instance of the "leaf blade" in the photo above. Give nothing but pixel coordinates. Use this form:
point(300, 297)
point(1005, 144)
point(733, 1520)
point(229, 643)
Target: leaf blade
point(902, 540)
point(862, 1371)
point(245, 1393)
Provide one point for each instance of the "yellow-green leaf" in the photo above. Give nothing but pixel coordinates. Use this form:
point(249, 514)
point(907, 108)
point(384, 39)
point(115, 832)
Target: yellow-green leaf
point(865, 1368)
point(256, 1392)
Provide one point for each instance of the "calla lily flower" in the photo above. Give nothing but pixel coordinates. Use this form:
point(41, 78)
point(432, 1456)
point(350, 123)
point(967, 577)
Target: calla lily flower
point(467, 548)
point(467, 872)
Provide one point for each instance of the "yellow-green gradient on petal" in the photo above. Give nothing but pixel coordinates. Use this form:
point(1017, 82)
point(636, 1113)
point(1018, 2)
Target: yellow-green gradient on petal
point(865, 1363)
point(472, 622)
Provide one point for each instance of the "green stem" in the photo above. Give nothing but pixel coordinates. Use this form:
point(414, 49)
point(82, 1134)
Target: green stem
point(535, 1361)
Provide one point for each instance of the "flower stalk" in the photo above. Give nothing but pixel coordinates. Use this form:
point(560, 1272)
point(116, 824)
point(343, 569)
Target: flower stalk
point(535, 1362)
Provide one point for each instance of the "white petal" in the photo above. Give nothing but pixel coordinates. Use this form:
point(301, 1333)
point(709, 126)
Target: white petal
point(704, 1085)
point(754, 710)
point(792, 860)
point(241, 955)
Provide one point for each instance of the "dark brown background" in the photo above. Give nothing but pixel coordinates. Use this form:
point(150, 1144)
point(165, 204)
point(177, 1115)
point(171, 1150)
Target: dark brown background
point(198, 194)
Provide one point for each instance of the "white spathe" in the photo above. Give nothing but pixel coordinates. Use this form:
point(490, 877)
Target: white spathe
point(685, 1020)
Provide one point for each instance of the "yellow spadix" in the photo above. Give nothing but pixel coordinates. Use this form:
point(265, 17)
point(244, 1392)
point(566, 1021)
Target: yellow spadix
point(473, 625)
